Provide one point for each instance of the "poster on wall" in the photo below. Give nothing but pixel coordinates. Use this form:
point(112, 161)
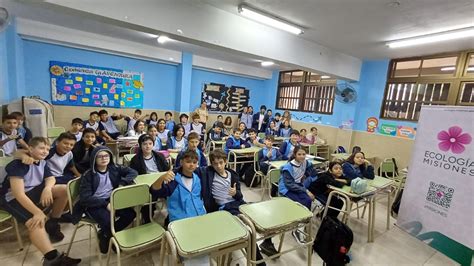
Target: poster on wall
point(406, 132)
point(388, 129)
point(438, 197)
point(220, 98)
point(83, 85)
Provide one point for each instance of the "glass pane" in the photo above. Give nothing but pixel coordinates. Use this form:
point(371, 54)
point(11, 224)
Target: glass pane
point(470, 64)
point(297, 76)
point(439, 66)
point(407, 69)
point(467, 93)
point(285, 77)
point(313, 77)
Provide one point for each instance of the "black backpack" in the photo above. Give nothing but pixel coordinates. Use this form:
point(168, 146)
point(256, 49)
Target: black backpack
point(333, 241)
point(396, 204)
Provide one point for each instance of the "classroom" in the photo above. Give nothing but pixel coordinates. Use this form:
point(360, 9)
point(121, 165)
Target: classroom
point(236, 132)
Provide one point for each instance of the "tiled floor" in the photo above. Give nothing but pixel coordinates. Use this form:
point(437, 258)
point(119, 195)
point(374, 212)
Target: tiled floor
point(392, 247)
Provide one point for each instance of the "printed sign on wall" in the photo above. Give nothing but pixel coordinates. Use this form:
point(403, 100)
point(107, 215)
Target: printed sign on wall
point(220, 98)
point(388, 129)
point(83, 85)
point(438, 197)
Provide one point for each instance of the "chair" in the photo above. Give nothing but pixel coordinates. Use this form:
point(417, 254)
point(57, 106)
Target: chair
point(313, 149)
point(127, 158)
point(261, 135)
point(2, 153)
point(73, 196)
point(4, 217)
point(134, 238)
point(54, 132)
point(134, 149)
point(387, 169)
point(273, 177)
point(256, 168)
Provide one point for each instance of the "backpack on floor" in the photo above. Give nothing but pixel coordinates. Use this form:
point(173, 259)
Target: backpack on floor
point(333, 241)
point(396, 204)
point(248, 175)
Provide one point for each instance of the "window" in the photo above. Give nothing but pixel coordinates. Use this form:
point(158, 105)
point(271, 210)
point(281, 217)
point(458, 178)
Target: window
point(306, 91)
point(433, 80)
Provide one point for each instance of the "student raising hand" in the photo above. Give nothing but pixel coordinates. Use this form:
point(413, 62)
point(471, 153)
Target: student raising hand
point(233, 190)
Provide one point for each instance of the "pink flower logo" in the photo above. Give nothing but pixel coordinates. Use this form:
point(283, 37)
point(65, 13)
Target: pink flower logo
point(453, 140)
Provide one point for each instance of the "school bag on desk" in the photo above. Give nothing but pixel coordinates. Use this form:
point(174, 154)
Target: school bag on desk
point(333, 241)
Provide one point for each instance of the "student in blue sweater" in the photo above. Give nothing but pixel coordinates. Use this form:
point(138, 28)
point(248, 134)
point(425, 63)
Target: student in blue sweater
point(272, 129)
point(285, 129)
point(193, 145)
point(268, 154)
point(357, 166)
point(235, 141)
point(182, 189)
point(287, 147)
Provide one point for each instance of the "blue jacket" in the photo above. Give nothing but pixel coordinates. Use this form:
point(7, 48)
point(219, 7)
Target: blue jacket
point(172, 143)
point(274, 132)
point(212, 135)
point(351, 172)
point(170, 125)
point(232, 143)
point(287, 180)
point(262, 155)
point(202, 161)
point(285, 149)
point(181, 202)
point(285, 132)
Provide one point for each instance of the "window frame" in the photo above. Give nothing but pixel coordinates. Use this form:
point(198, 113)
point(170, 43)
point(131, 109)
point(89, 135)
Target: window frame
point(303, 87)
point(459, 77)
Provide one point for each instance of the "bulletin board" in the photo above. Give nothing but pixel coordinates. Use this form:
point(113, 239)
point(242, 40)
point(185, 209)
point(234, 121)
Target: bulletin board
point(84, 85)
point(220, 98)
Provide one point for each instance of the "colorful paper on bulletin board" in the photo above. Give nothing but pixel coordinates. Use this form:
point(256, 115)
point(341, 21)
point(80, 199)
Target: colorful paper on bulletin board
point(406, 132)
point(71, 85)
point(388, 129)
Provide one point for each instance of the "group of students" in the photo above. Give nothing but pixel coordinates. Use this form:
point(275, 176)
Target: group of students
point(36, 180)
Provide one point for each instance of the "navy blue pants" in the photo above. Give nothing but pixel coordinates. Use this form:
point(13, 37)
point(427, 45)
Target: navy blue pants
point(102, 216)
point(301, 197)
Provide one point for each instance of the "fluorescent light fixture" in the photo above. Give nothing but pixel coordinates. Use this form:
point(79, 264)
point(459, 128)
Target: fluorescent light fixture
point(162, 39)
point(448, 68)
point(325, 77)
point(267, 63)
point(268, 20)
point(470, 69)
point(151, 35)
point(431, 38)
point(171, 59)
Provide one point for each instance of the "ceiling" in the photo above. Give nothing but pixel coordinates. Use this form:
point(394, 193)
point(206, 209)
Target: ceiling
point(357, 28)
point(361, 27)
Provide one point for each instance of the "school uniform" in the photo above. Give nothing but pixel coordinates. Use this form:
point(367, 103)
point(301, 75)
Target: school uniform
point(78, 135)
point(215, 190)
point(202, 161)
point(286, 149)
point(264, 159)
point(187, 129)
point(81, 156)
point(25, 133)
point(183, 196)
point(285, 132)
point(352, 171)
point(233, 143)
point(180, 145)
point(151, 122)
point(97, 126)
point(110, 127)
point(95, 191)
point(272, 132)
point(295, 180)
point(216, 136)
point(130, 123)
point(60, 165)
point(9, 147)
point(320, 190)
point(163, 136)
point(33, 178)
point(260, 122)
point(170, 125)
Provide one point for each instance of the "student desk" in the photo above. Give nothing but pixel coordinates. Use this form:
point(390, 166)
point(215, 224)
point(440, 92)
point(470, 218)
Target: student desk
point(375, 186)
point(121, 144)
point(148, 179)
point(279, 140)
point(322, 150)
point(217, 233)
point(235, 154)
point(127, 158)
point(276, 217)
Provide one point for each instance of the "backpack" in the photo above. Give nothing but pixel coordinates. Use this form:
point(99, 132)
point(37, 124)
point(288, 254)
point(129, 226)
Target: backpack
point(248, 176)
point(359, 185)
point(396, 204)
point(333, 241)
point(340, 149)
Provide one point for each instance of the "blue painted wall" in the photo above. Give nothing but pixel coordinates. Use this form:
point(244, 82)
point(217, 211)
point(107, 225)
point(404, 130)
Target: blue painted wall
point(259, 89)
point(4, 91)
point(159, 78)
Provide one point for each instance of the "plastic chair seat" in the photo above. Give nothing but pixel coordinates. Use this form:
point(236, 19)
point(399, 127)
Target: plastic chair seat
point(139, 236)
point(4, 216)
